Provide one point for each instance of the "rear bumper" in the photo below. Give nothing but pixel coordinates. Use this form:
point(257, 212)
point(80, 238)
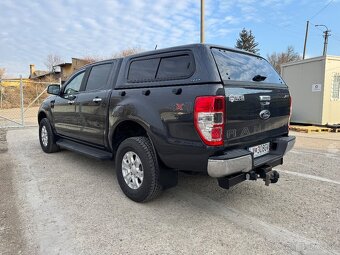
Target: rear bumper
point(241, 160)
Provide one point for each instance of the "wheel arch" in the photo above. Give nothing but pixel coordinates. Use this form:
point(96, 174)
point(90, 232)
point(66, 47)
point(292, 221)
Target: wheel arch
point(130, 128)
point(125, 129)
point(46, 114)
point(41, 115)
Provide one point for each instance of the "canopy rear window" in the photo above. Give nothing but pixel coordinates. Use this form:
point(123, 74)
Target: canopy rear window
point(235, 66)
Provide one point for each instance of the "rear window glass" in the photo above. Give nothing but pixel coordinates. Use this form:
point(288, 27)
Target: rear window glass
point(98, 77)
point(175, 67)
point(234, 66)
point(161, 69)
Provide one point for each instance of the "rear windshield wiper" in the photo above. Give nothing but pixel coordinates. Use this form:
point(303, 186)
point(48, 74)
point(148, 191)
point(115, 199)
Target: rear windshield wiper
point(259, 78)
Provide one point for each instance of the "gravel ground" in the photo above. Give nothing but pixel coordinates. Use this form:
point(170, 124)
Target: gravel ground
point(3, 141)
point(65, 203)
point(11, 234)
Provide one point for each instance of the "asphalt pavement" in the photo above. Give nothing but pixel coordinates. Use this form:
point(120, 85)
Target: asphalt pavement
point(65, 203)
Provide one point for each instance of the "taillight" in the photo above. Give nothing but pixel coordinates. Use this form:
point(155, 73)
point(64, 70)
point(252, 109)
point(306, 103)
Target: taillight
point(209, 116)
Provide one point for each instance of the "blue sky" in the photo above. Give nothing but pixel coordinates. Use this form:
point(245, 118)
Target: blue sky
point(30, 30)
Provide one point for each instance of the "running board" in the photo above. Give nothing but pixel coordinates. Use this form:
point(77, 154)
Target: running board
point(84, 149)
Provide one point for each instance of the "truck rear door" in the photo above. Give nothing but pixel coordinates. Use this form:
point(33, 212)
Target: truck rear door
point(257, 99)
point(92, 104)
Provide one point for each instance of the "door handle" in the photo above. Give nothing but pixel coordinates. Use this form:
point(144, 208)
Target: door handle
point(265, 98)
point(177, 91)
point(97, 99)
point(146, 92)
point(71, 102)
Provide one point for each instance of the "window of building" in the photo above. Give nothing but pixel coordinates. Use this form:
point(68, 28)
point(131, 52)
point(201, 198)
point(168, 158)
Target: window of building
point(336, 86)
point(98, 77)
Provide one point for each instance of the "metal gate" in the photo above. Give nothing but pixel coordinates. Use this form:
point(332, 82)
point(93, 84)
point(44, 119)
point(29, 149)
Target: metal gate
point(20, 100)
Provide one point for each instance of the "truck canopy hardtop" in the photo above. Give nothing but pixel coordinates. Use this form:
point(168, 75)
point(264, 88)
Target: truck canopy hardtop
point(206, 69)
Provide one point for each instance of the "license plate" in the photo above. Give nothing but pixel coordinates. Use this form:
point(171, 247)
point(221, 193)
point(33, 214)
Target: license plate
point(260, 150)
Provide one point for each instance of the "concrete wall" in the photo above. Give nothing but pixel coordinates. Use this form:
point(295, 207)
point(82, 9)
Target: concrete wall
point(66, 72)
point(68, 69)
point(78, 63)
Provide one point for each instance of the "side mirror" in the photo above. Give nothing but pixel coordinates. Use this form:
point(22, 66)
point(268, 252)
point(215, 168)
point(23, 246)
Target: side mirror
point(53, 89)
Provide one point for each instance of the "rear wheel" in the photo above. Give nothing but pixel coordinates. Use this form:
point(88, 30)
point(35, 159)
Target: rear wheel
point(47, 137)
point(137, 169)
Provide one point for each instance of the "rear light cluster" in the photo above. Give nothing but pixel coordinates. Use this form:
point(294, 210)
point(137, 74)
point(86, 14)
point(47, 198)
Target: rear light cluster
point(209, 119)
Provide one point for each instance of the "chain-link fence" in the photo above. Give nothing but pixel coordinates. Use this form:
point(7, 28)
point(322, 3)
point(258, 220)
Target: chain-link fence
point(20, 100)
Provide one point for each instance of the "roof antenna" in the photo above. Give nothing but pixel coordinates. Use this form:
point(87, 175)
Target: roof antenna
point(156, 47)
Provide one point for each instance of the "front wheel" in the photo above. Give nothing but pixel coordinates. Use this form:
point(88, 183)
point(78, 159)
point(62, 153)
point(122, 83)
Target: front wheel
point(47, 137)
point(137, 169)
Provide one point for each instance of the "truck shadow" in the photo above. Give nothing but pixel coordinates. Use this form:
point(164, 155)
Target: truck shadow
point(199, 183)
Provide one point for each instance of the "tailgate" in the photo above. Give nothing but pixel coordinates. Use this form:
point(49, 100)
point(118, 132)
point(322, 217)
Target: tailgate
point(257, 114)
point(257, 99)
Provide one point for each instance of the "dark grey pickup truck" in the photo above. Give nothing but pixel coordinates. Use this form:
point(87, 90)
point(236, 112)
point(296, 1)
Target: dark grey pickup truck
point(192, 108)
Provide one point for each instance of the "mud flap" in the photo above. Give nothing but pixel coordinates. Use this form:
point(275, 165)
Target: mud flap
point(168, 178)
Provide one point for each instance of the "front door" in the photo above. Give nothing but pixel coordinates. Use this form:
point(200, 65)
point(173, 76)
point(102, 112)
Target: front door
point(64, 107)
point(93, 102)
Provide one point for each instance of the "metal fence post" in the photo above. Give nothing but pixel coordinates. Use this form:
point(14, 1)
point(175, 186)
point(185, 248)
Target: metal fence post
point(22, 101)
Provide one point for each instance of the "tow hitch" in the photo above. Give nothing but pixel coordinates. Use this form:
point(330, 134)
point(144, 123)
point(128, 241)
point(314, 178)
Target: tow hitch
point(266, 173)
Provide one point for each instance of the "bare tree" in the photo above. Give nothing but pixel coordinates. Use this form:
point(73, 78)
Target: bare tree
point(127, 52)
point(2, 72)
point(277, 59)
point(91, 59)
point(52, 60)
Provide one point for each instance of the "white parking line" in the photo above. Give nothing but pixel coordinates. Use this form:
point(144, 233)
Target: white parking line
point(270, 232)
point(313, 177)
point(324, 154)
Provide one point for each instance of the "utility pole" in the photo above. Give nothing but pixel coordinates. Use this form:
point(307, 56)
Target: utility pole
point(325, 44)
point(305, 44)
point(202, 21)
point(326, 35)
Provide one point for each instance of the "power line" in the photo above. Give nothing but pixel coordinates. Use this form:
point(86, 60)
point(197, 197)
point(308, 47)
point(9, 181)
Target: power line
point(316, 14)
point(336, 38)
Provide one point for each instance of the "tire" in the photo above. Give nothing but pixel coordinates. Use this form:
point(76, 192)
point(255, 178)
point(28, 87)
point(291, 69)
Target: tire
point(46, 137)
point(142, 181)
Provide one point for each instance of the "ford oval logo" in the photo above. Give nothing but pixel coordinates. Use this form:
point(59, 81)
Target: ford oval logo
point(265, 114)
